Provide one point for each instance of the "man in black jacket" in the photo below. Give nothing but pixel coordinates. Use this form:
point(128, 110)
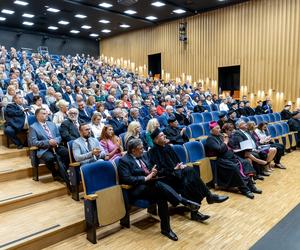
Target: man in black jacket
point(118, 122)
point(249, 111)
point(135, 170)
point(259, 108)
point(174, 134)
point(69, 129)
point(286, 114)
point(294, 124)
point(16, 119)
point(183, 179)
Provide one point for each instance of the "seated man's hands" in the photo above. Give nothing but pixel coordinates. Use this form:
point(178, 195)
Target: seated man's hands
point(180, 166)
point(96, 151)
point(53, 143)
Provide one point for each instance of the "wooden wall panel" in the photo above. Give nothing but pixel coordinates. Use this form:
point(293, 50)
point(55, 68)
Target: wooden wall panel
point(260, 35)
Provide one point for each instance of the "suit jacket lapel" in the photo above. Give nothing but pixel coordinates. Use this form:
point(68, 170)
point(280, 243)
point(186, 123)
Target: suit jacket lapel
point(42, 130)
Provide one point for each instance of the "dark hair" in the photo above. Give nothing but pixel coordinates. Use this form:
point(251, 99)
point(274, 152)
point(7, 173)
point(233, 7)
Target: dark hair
point(133, 144)
point(82, 124)
point(36, 98)
point(260, 126)
point(38, 111)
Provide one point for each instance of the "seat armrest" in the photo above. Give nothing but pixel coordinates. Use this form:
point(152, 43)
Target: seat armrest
point(91, 197)
point(33, 148)
point(212, 158)
point(74, 164)
point(126, 186)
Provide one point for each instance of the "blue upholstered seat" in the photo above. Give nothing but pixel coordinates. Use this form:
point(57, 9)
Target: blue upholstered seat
point(196, 118)
point(206, 128)
point(207, 117)
point(31, 119)
point(215, 115)
point(194, 150)
point(196, 130)
point(272, 117)
point(277, 117)
point(181, 153)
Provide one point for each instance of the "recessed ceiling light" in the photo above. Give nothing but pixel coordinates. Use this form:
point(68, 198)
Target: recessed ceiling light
point(158, 4)
point(106, 31)
point(75, 31)
point(104, 21)
point(52, 28)
point(28, 23)
point(53, 10)
point(2, 18)
point(5, 11)
point(94, 35)
point(80, 16)
point(179, 11)
point(86, 27)
point(151, 17)
point(28, 15)
point(105, 5)
point(124, 26)
point(63, 22)
point(130, 12)
point(20, 3)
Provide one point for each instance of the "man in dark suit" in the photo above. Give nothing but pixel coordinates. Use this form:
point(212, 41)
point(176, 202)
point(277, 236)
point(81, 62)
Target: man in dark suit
point(173, 133)
point(16, 119)
point(249, 111)
point(85, 113)
point(259, 108)
point(286, 114)
point(135, 170)
point(110, 103)
point(45, 135)
point(69, 129)
point(118, 122)
point(34, 92)
point(69, 96)
point(152, 114)
point(294, 124)
point(181, 117)
point(134, 115)
point(145, 110)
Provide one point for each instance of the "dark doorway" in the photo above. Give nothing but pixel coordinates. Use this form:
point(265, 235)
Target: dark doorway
point(229, 79)
point(154, 65)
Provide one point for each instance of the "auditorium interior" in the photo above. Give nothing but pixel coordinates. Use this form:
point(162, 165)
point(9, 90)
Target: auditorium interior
point(146, 124)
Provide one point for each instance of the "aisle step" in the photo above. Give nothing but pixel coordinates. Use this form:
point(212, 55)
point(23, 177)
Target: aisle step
point(42, 224)
point(19, 193)
point(10, 153)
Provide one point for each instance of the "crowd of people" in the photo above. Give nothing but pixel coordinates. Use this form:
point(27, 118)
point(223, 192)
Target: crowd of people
point(110, 113)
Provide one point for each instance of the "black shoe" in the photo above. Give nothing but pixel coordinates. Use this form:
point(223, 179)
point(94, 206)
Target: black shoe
point(170, 234)
point(248, 194)
point(20, 146)
point(259, 177)
point(214, 198)
point(193, 206)
point(255, 190)
point(264, 173)
point(199, 217)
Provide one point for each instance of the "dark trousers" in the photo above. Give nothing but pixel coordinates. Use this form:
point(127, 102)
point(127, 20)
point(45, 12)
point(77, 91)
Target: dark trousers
point(280, 151)
point(161, 194)
point(188, 183)
point(62, 156)
point(12, 133)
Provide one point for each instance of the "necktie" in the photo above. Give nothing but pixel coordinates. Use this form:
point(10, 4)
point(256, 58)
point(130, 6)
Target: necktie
point(48, 132)
point(88, 145)
point(143, 166)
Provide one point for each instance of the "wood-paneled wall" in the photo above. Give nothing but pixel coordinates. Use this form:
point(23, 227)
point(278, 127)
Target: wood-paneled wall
point(263, 36)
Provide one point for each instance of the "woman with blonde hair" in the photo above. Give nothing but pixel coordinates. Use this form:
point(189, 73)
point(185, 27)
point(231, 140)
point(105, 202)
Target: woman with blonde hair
point(111, 143)
point(151, 126)
point(97, 125)
point(133, 132)
point(61, 115)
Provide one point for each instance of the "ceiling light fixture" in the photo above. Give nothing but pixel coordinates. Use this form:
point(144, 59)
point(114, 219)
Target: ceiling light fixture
point(2, 18)
point(52, 28)
point(6, 11)
point(80, 16)
point(104, 21)
point(28, 15)
point(75, 31)
point(125, 26)
point(63, 22)
point(151, 17)
point(53, 10)
point(94, 35)
point(158, 4)
point(106, 31)
point(179, 11)
point(28, 23)
point(21, 3)
point(86, 27)
point(130, 12)
point(105, 5)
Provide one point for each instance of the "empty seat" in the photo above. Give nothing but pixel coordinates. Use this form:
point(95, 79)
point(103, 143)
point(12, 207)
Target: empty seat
point(196, 118)
point(181, 153)
point(272, 117)
point(207, 117)
point(259, 119)
point(215, 115)
point(206, 128)
point(196, 131)
point(277, 117)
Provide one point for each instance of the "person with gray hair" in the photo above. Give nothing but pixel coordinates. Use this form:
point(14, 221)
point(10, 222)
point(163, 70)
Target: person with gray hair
point(135, 169)
point(69, 129)
point(118, 122)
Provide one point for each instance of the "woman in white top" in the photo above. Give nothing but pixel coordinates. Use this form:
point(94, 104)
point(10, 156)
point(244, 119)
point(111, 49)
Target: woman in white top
point(97, 125)
point(61, 115)
point(38, 103)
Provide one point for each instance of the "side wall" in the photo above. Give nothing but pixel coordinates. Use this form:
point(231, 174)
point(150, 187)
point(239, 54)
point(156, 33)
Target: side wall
point(260, 35)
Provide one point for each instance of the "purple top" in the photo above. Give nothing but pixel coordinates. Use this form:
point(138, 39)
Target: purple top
point(109, 146)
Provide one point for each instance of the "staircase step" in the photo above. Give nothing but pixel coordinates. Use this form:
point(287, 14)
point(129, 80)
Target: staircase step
point(42, 224)
point(3, 139)
point(19, 193)
point(18, 168)
point(9, 153)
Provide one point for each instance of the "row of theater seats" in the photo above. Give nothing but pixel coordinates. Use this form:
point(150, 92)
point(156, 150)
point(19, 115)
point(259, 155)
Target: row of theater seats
point(214, 116)
point(101, 184)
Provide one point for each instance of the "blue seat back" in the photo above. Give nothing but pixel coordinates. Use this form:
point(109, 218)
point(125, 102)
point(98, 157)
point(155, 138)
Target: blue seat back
point(279, 130)
point(215, 115)
point(272, 117)
point(252, 118)
point(196, 130)
point(180, 152)
point(31, 119)
point(122, 137)
point(277, 117)
point(98, 175)
point(245, 119)
point(271, 130)
point(162, 121)
point(196, 118)
point(207, 117)
point(194, 151)
point(259, 119)
point(70, 149)
point(266, 118)
point(285, 127)
point(206, 128)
